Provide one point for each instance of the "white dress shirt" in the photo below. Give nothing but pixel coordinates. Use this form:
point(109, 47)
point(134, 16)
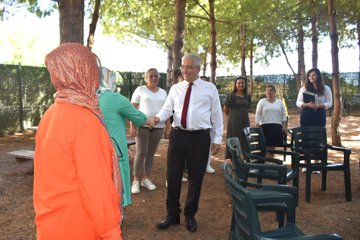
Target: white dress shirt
point(204, 110)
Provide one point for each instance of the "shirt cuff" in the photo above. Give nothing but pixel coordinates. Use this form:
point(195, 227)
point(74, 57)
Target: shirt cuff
point(217, 140)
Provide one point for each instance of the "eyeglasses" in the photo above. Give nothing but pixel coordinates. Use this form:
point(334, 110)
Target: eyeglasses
point(184, 67)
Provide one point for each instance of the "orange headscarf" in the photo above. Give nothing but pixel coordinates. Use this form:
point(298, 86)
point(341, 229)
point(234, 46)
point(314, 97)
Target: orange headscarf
point(75, 76)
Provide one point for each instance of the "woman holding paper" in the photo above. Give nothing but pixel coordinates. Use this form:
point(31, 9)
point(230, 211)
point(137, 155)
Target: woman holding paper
point(314, 99)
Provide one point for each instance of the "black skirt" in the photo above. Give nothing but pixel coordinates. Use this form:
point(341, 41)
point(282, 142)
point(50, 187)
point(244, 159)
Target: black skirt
point(273, 133)
point(312, 117)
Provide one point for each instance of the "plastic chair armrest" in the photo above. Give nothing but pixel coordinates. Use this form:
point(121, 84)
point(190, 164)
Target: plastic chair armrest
point(317, 237)
point(266, 159)
point(264, 166)
point(346, 151)
point(277, 151)
point(281, 188)
point(281, 169)
point(337, 148)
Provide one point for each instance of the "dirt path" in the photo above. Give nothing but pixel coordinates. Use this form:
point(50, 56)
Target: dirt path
point(328, 212)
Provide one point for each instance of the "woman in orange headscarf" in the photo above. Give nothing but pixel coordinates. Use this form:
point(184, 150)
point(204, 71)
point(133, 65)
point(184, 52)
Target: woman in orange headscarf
point(75, 169)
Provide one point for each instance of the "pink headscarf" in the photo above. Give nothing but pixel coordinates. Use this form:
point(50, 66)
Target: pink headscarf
point(75, 76)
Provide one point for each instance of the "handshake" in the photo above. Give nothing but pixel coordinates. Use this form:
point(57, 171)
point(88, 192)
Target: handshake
point(152, 121)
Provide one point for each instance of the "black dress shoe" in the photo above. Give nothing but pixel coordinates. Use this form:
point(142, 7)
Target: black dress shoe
point(168, 221)
point(191, 224)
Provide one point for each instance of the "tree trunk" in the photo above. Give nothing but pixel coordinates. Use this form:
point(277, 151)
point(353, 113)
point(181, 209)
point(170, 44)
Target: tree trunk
point(178, 39)
point(212, 42)
point(314, 36)
point(336, 115)
point(286, 58)
point(358, 34)
point(301, 57)
point(92, 27)
point(251, 80)
point(243, 49)
point(170, 61)
point(204, 63)
point(71, 15)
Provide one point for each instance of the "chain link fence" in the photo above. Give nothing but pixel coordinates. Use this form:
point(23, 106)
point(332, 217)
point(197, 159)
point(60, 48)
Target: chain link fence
point(26, 91)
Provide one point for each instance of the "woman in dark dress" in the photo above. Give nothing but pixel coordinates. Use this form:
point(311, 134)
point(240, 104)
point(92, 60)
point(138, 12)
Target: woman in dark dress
point(236, 108)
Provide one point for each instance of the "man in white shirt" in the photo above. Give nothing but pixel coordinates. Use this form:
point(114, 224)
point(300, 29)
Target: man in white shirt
point(190, 139)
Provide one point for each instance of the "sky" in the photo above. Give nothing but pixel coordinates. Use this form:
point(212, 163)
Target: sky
point(30, 39)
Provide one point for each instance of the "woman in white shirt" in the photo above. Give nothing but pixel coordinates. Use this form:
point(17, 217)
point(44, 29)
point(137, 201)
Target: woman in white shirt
point(271, 117)
point(313, 111)
point(149, 99)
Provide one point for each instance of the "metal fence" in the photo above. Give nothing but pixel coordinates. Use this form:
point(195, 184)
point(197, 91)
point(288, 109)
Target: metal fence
point(26, 91)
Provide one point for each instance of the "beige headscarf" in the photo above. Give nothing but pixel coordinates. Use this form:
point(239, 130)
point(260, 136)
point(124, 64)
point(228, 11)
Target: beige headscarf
point(75, 76)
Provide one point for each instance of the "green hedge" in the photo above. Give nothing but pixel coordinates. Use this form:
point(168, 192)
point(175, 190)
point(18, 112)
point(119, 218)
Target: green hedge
point(25, 92)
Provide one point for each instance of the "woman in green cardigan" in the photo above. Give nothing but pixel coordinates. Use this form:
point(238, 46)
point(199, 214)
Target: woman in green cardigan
point(116, 110)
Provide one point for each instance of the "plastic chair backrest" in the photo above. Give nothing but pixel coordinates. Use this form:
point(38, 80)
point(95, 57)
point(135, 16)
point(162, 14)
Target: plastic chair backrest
point(245, 214)
point(312, 140)
point(237, 157)
point(254, 142)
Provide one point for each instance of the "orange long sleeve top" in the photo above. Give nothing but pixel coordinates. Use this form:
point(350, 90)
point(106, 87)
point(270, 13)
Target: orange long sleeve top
point(74, 194)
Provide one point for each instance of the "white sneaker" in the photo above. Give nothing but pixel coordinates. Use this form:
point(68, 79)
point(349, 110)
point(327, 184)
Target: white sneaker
point(135, 187)
point(209, 169)
point(303, 169)
point(146, 183)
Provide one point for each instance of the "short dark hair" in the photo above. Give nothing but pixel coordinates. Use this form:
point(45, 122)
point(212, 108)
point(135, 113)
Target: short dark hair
point(271, 86)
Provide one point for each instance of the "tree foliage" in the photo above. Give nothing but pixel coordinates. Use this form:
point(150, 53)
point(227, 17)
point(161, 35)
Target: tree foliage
point(8, 8)
point(271, 26)
point(255, 29)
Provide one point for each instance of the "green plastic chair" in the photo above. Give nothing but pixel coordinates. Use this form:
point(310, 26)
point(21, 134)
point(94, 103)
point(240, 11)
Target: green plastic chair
point(281, 199)
point(255, 150)
point(246, 223)
point(311, 144)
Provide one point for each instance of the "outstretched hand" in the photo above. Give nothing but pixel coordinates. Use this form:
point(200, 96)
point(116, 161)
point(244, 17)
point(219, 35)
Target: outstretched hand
point(133, 131)
point(150, 122)
point(156, 120)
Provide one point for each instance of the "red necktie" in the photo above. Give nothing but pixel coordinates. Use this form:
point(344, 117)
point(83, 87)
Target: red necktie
point(186, 106)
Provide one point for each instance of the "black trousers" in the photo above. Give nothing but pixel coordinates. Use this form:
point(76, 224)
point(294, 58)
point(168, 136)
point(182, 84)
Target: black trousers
point(192, 148)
